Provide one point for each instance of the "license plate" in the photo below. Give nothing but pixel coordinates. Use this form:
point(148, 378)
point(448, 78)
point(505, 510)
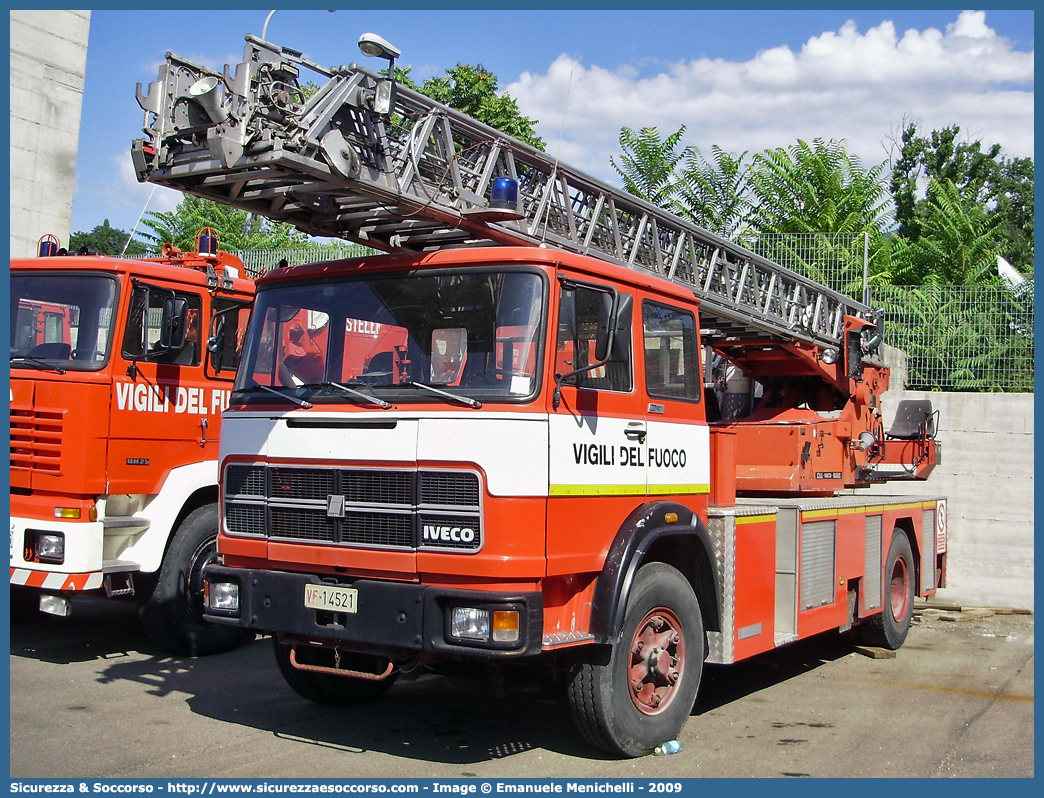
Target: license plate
point(331, 598)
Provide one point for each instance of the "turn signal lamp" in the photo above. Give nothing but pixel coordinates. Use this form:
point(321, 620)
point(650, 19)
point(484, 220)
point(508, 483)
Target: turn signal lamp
point(671, 518)
point(66, 512)
point(505, 626)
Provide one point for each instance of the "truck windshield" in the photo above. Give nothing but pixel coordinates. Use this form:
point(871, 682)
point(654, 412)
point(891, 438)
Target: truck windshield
point(61, 321)
point(472, 333)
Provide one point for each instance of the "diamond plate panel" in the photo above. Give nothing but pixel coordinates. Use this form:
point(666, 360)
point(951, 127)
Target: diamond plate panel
point(720, 649)
point(928, 551)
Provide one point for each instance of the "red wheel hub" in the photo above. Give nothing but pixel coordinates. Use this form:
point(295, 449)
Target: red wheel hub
point(899, 589)
point(657, 661)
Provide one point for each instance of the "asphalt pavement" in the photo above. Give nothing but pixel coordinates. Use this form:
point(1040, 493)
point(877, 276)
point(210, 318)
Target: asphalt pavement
point(92, 697)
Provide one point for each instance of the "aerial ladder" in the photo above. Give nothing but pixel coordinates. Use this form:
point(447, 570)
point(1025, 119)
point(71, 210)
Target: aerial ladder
point(377, 163)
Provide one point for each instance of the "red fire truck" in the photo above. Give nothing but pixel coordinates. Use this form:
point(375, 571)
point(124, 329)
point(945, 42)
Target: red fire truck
point(119, 372)
point(502, 442)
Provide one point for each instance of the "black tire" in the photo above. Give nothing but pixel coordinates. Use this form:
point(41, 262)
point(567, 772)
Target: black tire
point(329, 689)
point(25, 604)
point(888, 628)
point(607, 709)
point(171, 606)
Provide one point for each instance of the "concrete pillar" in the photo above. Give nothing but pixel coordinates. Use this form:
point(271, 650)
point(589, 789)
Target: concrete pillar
point(48, 65)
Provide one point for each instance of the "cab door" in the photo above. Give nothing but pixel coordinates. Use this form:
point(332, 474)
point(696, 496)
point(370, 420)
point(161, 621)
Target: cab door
point(164, 412)
point(678, 445)
point(597, 428)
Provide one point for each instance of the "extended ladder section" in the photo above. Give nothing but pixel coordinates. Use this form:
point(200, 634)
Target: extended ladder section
point(373, 162)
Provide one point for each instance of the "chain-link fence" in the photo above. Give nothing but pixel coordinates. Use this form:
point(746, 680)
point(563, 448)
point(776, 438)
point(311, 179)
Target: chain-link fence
point(962, 338)
point(831, 259)
point(955, 337)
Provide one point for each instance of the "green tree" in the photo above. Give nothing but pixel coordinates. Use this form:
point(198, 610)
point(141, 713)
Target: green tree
point(714, 194)
point(957, 243)
point(647, 164)
point(236, 229)
point(1004, 187)
point(472, 89)
point(817, 188)
point(105, 240)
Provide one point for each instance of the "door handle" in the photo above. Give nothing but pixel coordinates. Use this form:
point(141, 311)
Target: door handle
point(636, 431)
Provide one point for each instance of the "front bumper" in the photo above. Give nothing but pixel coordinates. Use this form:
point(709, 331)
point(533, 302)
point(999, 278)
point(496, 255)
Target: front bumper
point(393, 618)
point(81, 568)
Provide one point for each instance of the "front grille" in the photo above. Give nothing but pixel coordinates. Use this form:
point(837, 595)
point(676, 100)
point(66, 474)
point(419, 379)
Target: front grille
point(36, 439)
point(379, 508)
point(448, 489)
point(245, 519)
point(309, 484)
point(289, 523)
point(241, 480)
point(377, 487)
point(378, 529)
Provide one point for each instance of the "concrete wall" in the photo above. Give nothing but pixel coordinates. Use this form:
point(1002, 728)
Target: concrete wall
point(987, 476)
point(48, 64)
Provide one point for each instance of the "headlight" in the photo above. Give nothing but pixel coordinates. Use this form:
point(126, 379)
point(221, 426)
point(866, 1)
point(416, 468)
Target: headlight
point(50, 547)
point(469, 623)
point(221, 596)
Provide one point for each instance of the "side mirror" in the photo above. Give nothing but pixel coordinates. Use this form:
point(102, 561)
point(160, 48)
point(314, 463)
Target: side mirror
point(216, 343)
point(604, 333)
point(613, 335)
point(172, 325)
point(620, 350)
point(136, 319)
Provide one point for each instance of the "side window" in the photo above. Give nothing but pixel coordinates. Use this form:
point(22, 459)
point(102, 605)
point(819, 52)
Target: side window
point(672, 357)
point(228, 327)
point(141, 338)
point(579, 312)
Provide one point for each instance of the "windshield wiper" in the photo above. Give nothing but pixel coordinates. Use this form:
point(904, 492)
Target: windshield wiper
point(37, 363)
point(281, 395)
point(373, 400)
point(463, 399)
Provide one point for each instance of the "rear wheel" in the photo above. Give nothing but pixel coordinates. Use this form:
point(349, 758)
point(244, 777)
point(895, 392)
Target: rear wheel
point(644, 693)
point(171, 607)
point(331, 689)
point(888, 628)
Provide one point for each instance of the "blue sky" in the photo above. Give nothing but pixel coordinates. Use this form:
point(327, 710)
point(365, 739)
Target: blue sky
point(744, 80)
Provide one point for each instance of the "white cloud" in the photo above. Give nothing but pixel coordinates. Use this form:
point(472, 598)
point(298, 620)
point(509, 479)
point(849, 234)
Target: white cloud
point(843, 84)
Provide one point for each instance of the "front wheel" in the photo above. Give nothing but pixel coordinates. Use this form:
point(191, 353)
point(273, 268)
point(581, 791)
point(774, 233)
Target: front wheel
point(171, 607)
point(889, 627)
point(643, 694)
